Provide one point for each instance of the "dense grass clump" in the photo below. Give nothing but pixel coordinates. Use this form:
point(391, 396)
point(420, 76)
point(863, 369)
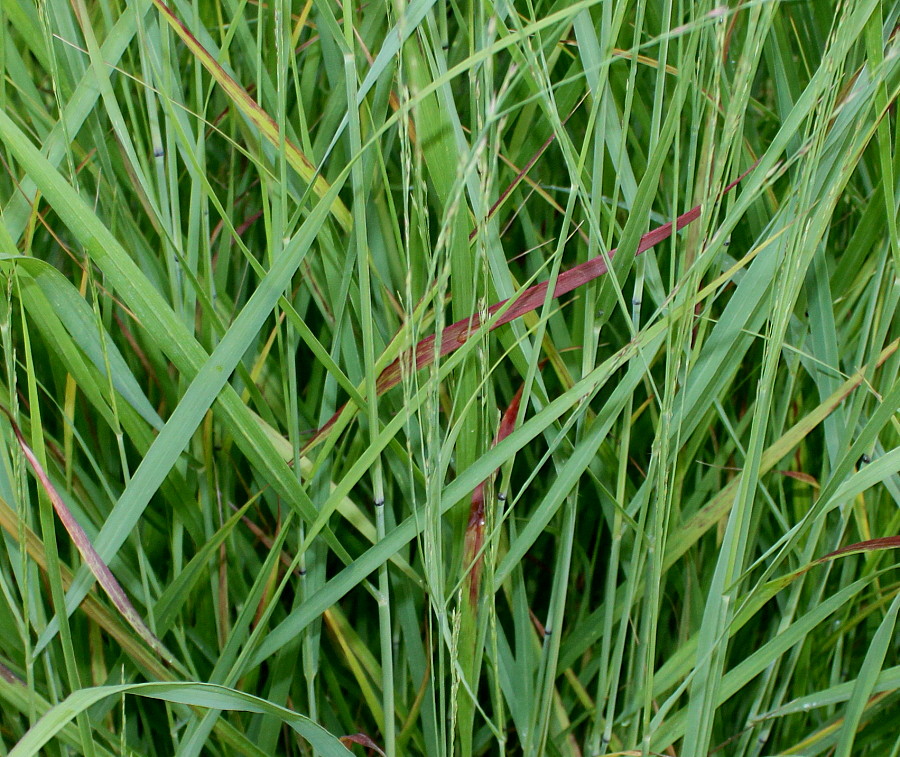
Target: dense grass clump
point(449, 378)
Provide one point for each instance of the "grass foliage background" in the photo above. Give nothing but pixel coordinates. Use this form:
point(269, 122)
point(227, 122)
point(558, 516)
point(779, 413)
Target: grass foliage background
point(222, 221)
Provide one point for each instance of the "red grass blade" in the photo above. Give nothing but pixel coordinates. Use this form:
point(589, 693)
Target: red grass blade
point(362, 740)
point(475, 526)
point(870, 545)
point(456, 335)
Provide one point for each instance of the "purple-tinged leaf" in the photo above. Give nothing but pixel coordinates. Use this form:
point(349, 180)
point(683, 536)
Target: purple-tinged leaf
point(96, 565)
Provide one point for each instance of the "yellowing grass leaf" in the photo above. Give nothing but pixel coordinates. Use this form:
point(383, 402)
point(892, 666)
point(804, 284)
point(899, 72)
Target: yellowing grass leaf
point(256, 115)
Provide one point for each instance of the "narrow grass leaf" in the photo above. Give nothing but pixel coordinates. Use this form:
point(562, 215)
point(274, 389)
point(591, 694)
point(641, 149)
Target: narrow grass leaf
point(209, 696)
point(95, 564)
point(257, 116)
point(864, 685)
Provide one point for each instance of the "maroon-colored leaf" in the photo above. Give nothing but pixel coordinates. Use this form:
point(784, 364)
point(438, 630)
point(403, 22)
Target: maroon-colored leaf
point(806, 478)
point(475, 527)
point(7, 675)
point(362, 740)
point(870, 545)
point(456, 335)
